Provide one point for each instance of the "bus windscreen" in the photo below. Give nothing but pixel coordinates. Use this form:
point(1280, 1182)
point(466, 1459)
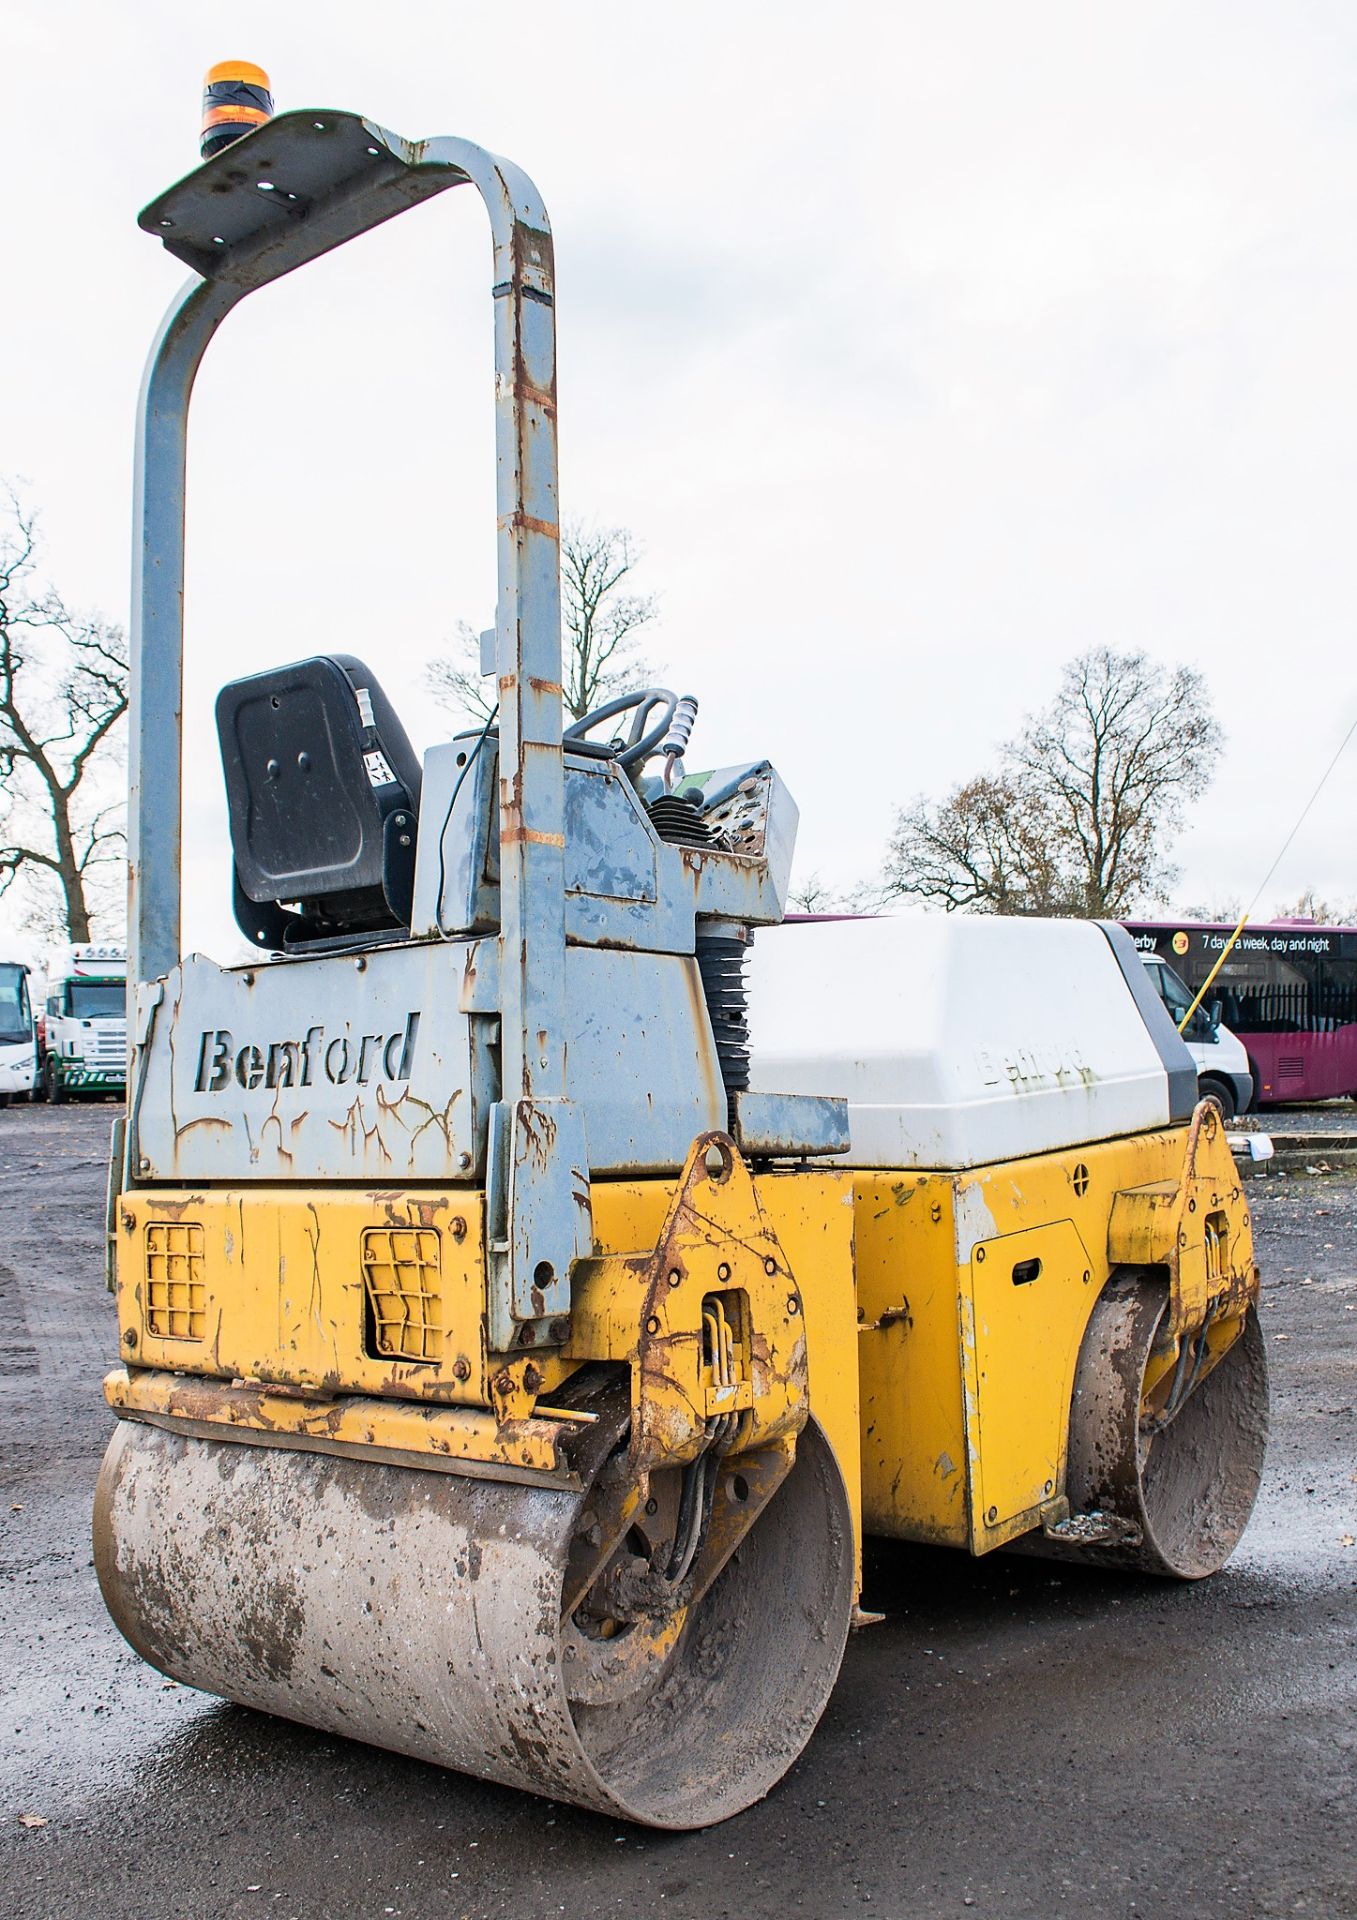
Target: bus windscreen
point(15, 1020)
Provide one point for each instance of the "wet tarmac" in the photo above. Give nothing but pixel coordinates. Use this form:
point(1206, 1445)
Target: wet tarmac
point(1015, 1739)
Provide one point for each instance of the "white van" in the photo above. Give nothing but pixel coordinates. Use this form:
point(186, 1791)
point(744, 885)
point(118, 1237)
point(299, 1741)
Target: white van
point(1222, 1064)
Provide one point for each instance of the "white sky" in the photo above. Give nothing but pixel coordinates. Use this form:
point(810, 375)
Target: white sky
point(923, 347)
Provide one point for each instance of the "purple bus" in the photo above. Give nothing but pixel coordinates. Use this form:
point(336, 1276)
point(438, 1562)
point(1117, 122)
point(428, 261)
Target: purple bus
point(1289, 990)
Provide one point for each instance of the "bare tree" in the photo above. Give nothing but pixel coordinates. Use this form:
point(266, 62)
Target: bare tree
point(63, 692)
point(1309, 906)
point(1219, 909)
point(601, 618)
point(981, 850)
point(1077, 817)
point(812, 895)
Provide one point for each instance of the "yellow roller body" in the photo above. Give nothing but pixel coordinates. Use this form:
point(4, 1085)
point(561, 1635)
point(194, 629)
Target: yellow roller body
point(459, 1557)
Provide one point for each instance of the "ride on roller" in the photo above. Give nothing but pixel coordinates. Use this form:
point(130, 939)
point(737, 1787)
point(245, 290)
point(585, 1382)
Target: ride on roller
point(539, 1267)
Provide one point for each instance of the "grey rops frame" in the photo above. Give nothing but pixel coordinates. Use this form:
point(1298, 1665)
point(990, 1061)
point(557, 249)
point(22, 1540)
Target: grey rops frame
point(281, 196)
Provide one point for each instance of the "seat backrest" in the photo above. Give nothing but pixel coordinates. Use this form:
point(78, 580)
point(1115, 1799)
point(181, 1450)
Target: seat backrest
point(322, 789)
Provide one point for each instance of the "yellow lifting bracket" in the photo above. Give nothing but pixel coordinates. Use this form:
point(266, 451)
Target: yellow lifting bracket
point(1198, 1228)
point(709, 1320)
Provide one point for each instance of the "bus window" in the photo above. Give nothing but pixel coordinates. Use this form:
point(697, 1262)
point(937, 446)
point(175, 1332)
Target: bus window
point(15, 1018)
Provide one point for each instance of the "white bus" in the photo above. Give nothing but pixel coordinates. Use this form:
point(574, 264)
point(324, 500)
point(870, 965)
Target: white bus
point(18, 1034)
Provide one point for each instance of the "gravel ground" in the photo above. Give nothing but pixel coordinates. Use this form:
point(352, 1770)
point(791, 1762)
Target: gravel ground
point(1323, 1116)
point(1015, 1739)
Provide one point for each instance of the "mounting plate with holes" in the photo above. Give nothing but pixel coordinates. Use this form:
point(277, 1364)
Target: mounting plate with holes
point(313, 170)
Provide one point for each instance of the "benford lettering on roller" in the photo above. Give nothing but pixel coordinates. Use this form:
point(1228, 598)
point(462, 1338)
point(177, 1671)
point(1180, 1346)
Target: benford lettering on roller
point(342, 1059)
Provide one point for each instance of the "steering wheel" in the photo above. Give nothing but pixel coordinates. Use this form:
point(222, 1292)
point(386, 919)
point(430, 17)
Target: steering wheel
point(640, 743)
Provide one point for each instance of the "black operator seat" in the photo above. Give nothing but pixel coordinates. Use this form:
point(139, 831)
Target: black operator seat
point(322, 789)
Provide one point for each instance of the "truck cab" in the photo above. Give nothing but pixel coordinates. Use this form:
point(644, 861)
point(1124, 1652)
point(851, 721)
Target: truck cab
point(85, 1021)
point(1223, 1072)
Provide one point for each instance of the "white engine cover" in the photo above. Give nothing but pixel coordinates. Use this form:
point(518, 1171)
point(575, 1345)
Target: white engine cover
point(960, 1040)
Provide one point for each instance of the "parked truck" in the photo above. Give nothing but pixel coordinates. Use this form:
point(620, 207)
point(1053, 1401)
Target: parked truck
point(84, 1021)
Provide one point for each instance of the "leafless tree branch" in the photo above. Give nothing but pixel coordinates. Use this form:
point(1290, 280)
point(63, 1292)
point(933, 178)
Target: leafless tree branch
point(63, 696)
point(600, 622)
point(1078, 816)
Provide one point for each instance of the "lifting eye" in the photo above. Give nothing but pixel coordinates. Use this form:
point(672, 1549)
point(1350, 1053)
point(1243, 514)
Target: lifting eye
point(1025, 1271)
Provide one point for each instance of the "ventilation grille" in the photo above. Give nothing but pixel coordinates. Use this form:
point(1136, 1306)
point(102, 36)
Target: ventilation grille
point(402, 1274)
point(176, 1300)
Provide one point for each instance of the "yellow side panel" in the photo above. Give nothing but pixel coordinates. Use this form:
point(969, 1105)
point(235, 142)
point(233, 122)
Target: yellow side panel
point(1031, 1295)
point(270, 1286)
point(914, 1460)
point(812, 1214)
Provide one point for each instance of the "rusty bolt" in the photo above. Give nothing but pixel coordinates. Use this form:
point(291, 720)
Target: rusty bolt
point(458, 1227)
point(503, 1382)
point(674, 1276)
point(130, 1337)
point(527, 1334)
point(560, 1331)
point(461, 1367)
point(532, 1377)
point(991, 1514)
point(770, 1265)
point(723, 1271)
point(653, 1324)
point(793, 1304)
point(980, 1253)
point(129, 1221)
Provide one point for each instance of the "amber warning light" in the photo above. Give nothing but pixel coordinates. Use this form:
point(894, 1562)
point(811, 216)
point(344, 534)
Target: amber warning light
point(236, 98)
